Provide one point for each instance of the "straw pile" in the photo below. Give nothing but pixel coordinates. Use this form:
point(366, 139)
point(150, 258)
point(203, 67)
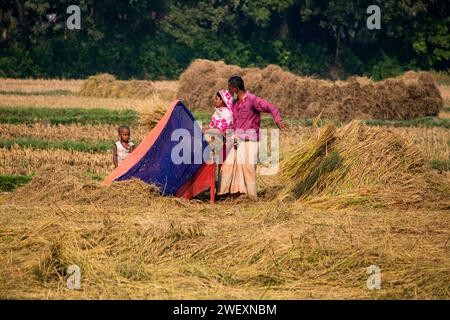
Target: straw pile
point(51, 185)
point(132, 244)
point(264, 250)
point(153, 113)
point(408, 96)
point(106, 86)
point(358, 165)
point(149, 119)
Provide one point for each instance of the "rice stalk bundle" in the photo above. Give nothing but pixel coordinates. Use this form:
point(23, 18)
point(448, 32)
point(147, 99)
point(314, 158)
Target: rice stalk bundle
point(149, 119)
point(302, 158)
point(362, 165)
point(106, 86)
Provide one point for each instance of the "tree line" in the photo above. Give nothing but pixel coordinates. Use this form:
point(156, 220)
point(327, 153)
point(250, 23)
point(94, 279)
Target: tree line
point(158, 39)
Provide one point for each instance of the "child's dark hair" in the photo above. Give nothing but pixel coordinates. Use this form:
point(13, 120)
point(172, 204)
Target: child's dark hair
point(123, 128)
point(237, 81)
point(220, 96)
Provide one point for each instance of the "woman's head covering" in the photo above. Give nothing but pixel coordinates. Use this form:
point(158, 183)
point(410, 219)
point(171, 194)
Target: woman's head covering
point(227, 99)
point(223, 117)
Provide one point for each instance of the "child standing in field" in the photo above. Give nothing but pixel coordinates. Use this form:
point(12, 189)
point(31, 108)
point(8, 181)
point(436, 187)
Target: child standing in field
point(123, 147)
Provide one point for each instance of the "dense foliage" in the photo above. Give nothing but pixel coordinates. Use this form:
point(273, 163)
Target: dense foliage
point(158, 39)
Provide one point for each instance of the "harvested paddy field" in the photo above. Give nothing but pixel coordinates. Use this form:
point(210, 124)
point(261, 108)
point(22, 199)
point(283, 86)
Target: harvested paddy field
point(349, 195)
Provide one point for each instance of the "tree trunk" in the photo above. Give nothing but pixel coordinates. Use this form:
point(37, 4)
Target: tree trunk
point(338, 45)
point(22, 22)
point(283, 30)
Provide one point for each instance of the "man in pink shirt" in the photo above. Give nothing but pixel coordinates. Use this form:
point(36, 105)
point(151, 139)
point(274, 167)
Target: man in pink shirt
point(247, 110)
point(238, 173)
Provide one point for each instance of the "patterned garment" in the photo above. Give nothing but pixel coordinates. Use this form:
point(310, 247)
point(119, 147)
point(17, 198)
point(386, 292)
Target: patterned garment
point(223, 116)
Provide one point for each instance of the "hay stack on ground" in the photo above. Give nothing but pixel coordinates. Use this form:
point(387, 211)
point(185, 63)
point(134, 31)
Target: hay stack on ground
point(153, 112)
point(357, 164)
point(409, 96)
point(51, 186)
point(149, 119)
point(106, 86)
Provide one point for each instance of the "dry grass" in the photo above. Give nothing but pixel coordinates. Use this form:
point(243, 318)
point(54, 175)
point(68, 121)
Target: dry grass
point(445, 93)
point(66, 185)
point(132, 243)
point(74, 86)
point(82, 133)
point(106, 86)
point(17, 161)
point(40, 85)
point(170, 249)
point(165, 86)
point(434, 143)
point(363, 166)
point(74, 102)
point(149, 117)
point(442, 77)
point(10, 100)
point(163, 93)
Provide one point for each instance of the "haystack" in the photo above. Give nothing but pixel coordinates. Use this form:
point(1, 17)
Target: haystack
point(411, 95)
point(153, 112)
point(150, 118)
point(52, 185)
point(106, 86)
point(357, 164)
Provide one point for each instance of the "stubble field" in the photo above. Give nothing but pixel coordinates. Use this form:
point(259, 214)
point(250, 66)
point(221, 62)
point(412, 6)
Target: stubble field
point(55, 148)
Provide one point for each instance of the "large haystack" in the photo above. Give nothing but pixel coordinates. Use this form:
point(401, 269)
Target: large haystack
point(106, 86)
point(409, 96)
point(357, 164)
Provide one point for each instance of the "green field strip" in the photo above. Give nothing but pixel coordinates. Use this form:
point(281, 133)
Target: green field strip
point(83, 116)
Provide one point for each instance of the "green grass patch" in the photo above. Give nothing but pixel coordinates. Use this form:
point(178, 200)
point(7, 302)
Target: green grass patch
point(441, 165)
point(203, 116)
point(96, 176)
point(446, 109)
point(10, 183)
point(33, 143)
point(29, 115)
point(39, 93)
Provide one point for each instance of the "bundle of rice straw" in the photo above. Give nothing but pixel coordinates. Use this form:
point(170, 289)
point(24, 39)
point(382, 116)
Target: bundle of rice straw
point(150, 115)
point(149, 119)
point(357, 164)
point(411, 95)
point(106, 86)
point(56, 185)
